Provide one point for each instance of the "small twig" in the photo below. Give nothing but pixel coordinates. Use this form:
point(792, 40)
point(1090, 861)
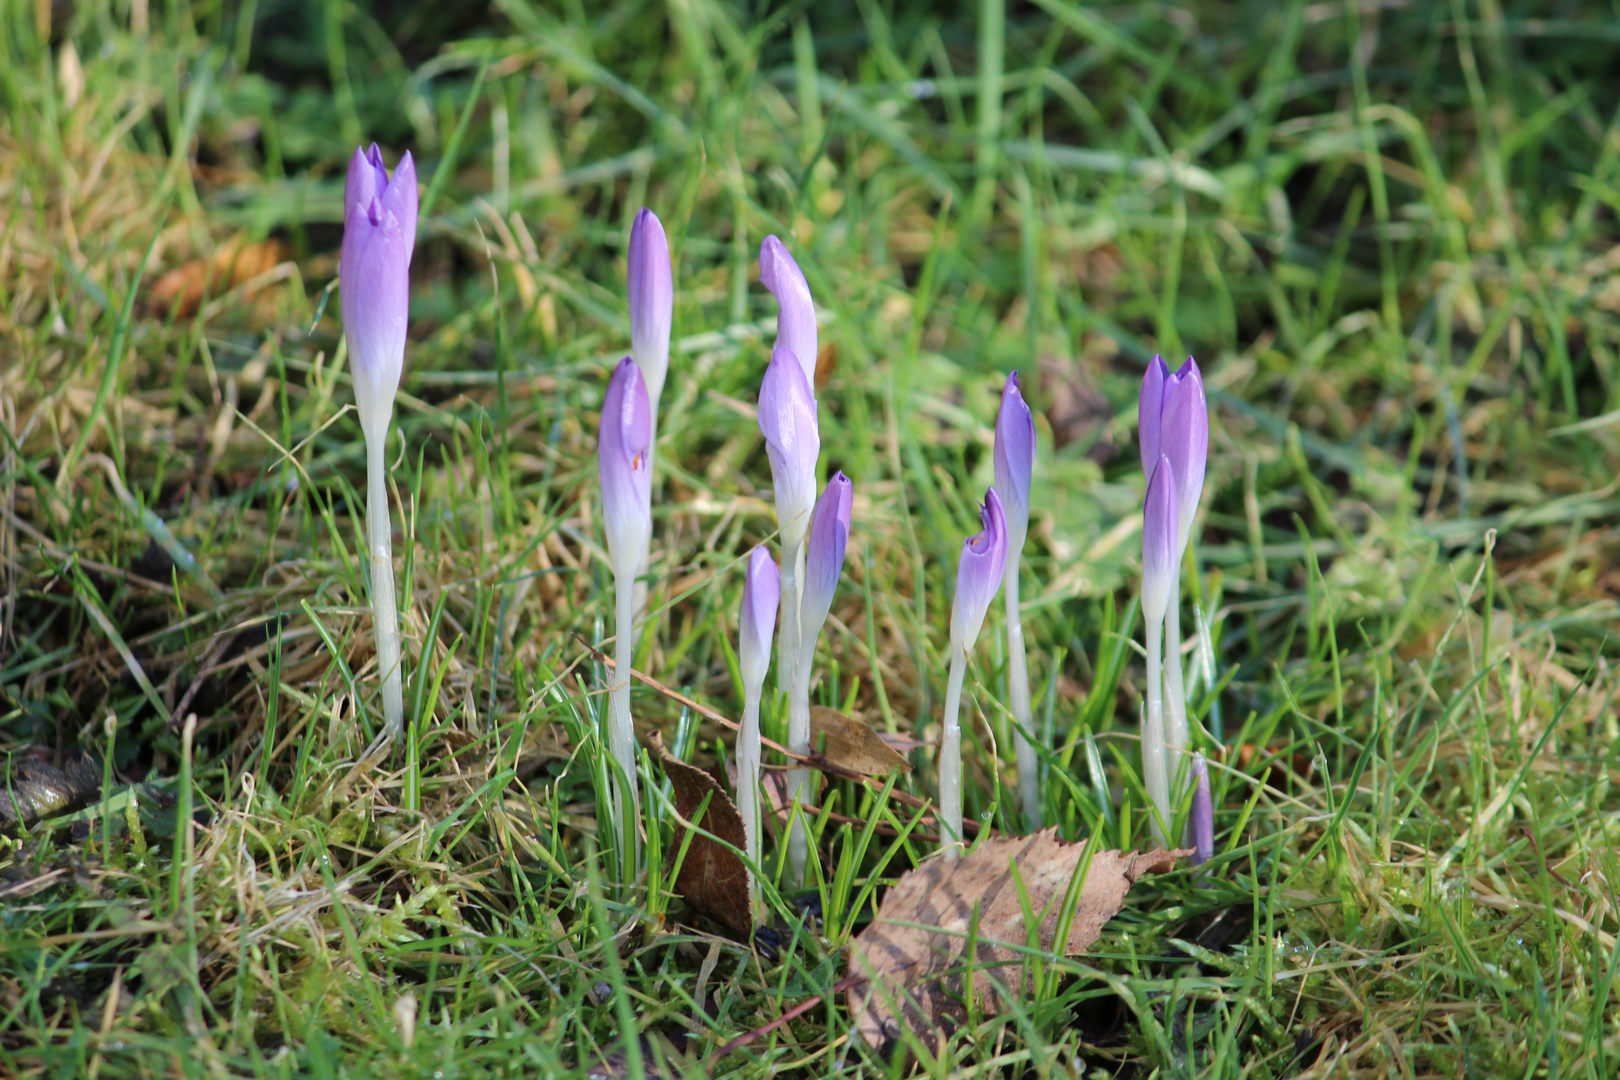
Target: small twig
point(1545, 865)
point(203, 671)
point(786, 1018)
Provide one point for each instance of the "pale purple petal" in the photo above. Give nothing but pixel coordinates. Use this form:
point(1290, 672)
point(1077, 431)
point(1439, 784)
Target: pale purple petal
point(787, 419)
point(1158, 541)
point(652, 300)
point(979, 571)
point(1184, 439)
point(379, 235)
point(1014, 460)
point(795, 311)
point(1203, 813)
point(622, 445)
point(1148, 407)
point(762, 592)
point(824, 555)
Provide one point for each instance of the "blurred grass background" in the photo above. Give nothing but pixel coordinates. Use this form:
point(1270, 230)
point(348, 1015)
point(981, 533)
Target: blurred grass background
point(1386, 230)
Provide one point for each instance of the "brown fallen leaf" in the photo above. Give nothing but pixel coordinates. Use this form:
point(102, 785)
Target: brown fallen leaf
point(913, 954)
point(846, 742)
point(712, 878)
point(234, 262)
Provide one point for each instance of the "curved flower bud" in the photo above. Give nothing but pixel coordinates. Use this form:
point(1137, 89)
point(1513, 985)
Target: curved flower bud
point(379, 234)
point(824, 557)
point(762, 591)
point(652, 301)
point(1149, 407)
point(1202, 824)
point(1159, 532)
point(787, 419)
point(1184, 439)
point(622, 446)
point(1014, 460)
point(979, 571)
point(795, 312)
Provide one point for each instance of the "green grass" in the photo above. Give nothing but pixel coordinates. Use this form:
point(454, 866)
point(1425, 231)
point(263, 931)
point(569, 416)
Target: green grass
point(1388, 234)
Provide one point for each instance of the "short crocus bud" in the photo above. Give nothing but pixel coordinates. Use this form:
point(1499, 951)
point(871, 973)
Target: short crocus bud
point(652, 301)
point(824, 557)
point(622, 445)
point(1184, 439)
point(979, 571)
point(1202, 825)
point(1014, 460)
point(1149, 406)
point(379, 234)
point(1159, 533)
point(787, 419)
point(762, 591)
point(795, 312)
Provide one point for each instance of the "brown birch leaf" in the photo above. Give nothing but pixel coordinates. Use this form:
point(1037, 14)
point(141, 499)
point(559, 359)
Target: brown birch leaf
point(913, 955)
point(852, 745)
point(712, 878)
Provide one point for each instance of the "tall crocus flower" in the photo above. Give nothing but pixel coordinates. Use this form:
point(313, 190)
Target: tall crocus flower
point(978, 575)
point(762, 589)
point(1184, 440)
point(379, 234)
point(824, 562)
point(1015, 462)
point(1202, 818)
point(623, 449)
point(795, 313)
point(651, 288)
point(1158, 566)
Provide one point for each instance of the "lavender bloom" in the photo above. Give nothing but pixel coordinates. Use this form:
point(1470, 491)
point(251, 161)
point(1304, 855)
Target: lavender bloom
point(379, 234)
point(979, 572)
point(1203, 813)
point(787, 419)
point(622, 447)
point(824, 559)
point(1184, 439)
point(795, 314)
point(652, 301)
point(1014, 460)
point(1159, 531)
point(1149, 407)
point(762, 591)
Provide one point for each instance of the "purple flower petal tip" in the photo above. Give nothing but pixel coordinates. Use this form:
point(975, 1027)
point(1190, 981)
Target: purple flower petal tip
point(379, 237)
point(1202, 824)
point(788, 420)
point(979, 571)
point(1014, 459)
point(762, 592)
point(652, 300)
point(622, 448)
point(796, 312)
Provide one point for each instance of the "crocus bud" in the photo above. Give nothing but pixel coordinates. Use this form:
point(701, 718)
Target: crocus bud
point(379, 233)
point(1184, 439)
point(652, 301)
point(824, 557)
point(1149, 406)
point(978, 573)
point(762, 591)
point(1014, 460)
point(1203, 813)
point(1159, 534)
point(795, 313)
point(622, 445)
point(787, 419)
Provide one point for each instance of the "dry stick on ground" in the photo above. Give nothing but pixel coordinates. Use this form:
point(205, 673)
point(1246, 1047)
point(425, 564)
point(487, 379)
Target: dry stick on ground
point(814, 760)
point(786, 1018)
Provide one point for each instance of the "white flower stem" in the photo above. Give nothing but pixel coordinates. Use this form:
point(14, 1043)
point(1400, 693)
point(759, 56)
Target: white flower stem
point(748, 778)
point(384, 611)
point(789, 660)
point(1176, 735)
point(950, 757)
point(1029, 765)
point(621, 729)
point(1154, 776)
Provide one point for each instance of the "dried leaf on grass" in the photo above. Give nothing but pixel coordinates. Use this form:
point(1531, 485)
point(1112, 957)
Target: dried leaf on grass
point(233, 263)
point(848, 743)
point(912, 956)
point(712, 878)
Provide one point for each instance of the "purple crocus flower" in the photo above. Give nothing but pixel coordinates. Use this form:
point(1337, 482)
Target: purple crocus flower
point(379, 233)
point(652, 301)
point(1159, 532)
point(795, 312)
point(979, 572)
point(1184, 439)
point(762, 591)
point(824, 556)
point(787, 419)
point(1149, 407)
point(622, 446)
point(1014, 460)
point(1203, 813)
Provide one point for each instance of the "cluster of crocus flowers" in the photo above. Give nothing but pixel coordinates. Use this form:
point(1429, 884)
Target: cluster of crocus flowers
point(1014, 464)
point(1173, 432)
point(978, 576)
point(379, 235)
